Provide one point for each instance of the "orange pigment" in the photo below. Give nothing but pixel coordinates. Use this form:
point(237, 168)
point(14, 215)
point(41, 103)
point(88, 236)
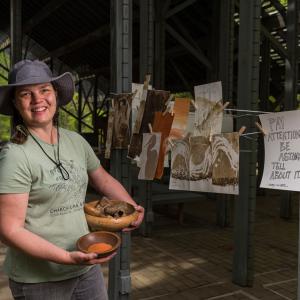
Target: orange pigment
point(99, 247)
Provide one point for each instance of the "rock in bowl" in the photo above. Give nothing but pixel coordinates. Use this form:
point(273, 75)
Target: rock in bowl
point(101, 242)
point(109, 215)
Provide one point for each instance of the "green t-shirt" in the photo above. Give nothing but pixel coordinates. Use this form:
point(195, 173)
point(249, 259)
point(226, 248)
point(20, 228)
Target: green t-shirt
point(55, 206)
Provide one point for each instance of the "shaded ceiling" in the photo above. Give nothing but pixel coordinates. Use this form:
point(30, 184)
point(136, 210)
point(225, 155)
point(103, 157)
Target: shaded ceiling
point(77, 33)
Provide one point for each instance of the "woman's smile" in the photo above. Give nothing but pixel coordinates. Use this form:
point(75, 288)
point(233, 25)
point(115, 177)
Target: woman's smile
point(36, 104)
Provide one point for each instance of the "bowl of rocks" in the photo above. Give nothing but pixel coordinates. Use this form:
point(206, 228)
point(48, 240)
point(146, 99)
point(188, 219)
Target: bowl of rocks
point(109, 215)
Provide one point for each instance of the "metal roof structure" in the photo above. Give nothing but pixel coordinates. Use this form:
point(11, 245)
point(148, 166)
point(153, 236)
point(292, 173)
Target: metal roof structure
point(77, 34)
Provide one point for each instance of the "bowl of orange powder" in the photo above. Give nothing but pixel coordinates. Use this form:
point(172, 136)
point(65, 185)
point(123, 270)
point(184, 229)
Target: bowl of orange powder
point(103, 243)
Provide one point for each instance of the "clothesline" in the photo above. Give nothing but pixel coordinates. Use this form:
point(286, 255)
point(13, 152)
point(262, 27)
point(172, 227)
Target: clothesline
point(246, 110)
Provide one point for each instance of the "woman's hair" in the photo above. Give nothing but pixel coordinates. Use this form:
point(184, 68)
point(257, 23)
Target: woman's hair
point(19, 129)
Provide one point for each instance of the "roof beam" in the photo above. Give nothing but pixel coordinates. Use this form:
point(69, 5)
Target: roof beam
point(179, 8)
point(275, 44)
point(42, 14)
point(181, 76)
point(196, 52)
point(281, 9)
point(89, 38)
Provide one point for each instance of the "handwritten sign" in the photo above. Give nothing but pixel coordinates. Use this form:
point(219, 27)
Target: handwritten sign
point(282, 150)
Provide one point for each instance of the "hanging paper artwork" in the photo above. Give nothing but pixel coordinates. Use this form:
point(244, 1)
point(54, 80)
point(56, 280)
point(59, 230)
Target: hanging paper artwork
point(181, 111)
point(201, 165)
point(162, 123)
point(109, 135)
point(122, 110)
point(208, 116)
point(149, 155)
point(282, 154)
point(156, 101)
point(180, 165)
point(225, 158)
point(137, 90)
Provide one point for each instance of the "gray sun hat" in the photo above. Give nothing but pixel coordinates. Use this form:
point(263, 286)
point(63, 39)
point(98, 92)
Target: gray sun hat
point(34, 72)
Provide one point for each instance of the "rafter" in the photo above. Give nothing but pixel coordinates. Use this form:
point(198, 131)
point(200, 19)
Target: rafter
point(77, 44)
point(196, 52)
point(42, 14)
point(179, 8)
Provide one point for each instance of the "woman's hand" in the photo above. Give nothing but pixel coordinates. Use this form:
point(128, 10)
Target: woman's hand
point(138, 221)
point(80, 258)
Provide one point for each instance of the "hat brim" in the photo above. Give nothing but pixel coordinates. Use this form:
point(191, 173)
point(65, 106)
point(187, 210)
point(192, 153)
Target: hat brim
point(63, 84)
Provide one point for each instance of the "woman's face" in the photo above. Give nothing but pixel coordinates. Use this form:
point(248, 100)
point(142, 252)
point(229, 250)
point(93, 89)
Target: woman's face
point(36, 104)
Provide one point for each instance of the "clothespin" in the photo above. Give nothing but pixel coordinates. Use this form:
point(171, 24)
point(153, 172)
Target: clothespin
point(242, 129)
point(263, 131)
point(194, 104)
point(169, 99)
point(146, 81)
point(150, 127)
point(165, 111)
point(169, 140)
point(225, 105)
point(134, 93)
point(168, 108)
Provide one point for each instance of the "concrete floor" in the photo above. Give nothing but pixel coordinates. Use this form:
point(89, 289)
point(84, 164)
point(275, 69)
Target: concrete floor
point(194, 260)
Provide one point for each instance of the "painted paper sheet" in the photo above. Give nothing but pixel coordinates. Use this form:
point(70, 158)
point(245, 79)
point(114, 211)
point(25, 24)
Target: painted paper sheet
point(208, 116)
point(149, 155)
point(109, 135)
point(225, 161)
point(136, 100)
point(180, 165)
point(156, 101)
point(181, 110)
point(282, 150)
point(122, 107)
point(201, 165)
point(162, 123)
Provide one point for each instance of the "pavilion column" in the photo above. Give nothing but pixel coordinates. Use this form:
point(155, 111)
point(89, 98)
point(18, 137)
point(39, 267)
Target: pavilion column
point(15, 31)
point(146, 67)
point(146, 38)
point(121, 77)
point(160, 43)
point(248, 86)
point(225, 70)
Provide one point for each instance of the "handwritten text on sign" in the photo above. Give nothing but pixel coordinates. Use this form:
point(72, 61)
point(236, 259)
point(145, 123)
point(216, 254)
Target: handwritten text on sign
point(282, 150)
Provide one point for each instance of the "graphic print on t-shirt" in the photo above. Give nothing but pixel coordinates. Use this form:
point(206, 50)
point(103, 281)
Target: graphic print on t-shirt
point(75, 186)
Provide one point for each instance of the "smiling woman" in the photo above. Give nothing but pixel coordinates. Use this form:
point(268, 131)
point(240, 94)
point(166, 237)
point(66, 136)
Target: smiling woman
point(36, 104)
point(44, 172)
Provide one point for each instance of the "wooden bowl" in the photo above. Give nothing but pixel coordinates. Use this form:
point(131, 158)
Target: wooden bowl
point(108, 223)
point(89, 239)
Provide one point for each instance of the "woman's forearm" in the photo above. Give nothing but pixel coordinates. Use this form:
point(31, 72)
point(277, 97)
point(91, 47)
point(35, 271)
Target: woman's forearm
point(35, 246)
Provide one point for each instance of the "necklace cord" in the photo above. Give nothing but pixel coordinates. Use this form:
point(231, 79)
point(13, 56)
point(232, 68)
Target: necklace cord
point(64, 173)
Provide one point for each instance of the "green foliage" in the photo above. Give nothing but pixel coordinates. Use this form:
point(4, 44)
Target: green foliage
point(183, 95)
point(65, 119)
point(4, 120)
point(4, 128)
point(284, 2)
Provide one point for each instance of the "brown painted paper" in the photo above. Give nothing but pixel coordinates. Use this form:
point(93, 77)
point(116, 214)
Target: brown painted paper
point(181, 111)
point(155, 101)
point(122, 106)
point(149, 155)
point(162, 123)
